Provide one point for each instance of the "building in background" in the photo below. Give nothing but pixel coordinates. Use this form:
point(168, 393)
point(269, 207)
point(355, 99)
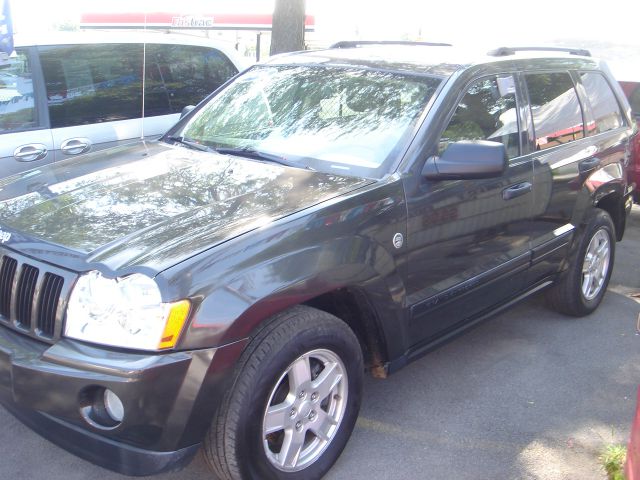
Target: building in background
point(250, 32)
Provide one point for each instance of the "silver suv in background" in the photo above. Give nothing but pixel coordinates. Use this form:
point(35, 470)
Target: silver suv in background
point(81, 92)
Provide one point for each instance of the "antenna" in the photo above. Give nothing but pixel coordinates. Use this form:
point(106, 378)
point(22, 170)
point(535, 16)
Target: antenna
point(144, 73)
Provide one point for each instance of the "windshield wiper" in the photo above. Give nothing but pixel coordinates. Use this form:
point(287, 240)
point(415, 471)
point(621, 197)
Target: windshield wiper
point(190, 143)
point(249, 152)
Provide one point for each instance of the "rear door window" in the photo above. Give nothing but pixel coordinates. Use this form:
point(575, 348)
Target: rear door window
point(181, 75)
point(89, 84)
point(604, 106)
point(555, 108)
point(17, 104)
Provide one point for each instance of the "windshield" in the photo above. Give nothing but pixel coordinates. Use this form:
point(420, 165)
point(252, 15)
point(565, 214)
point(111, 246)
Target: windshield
point(338, 120)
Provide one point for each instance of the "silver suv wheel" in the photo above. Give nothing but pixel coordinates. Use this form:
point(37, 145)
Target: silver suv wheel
point(304, 411)
point(580, 288)
point(596, 264)
point(293, 403)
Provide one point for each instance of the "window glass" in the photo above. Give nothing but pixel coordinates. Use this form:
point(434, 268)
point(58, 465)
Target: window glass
point(346, 120)
point(181, 75)
point(605, 108)
point(17, 106)
point(487, 112)
point(556, 111)
point(92, 83)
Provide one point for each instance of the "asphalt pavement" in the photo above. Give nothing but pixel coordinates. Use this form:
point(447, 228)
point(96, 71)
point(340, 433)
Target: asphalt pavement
point(529, 395)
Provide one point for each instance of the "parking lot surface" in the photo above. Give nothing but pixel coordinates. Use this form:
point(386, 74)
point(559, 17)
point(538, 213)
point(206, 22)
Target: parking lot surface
point(528, 394)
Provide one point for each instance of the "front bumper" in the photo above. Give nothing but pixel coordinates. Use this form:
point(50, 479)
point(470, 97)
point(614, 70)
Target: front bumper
point(168, 399)
point(102, 451)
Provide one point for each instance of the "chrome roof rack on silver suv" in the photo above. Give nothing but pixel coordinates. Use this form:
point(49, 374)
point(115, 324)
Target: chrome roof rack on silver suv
point(359, 43)
point(504, 51)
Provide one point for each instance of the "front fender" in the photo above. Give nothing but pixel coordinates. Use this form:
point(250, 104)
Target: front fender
point(355, 262)
point(345, 244)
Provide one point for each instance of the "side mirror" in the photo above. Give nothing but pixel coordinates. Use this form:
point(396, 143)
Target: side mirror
point(467, 159)
point(186, 110)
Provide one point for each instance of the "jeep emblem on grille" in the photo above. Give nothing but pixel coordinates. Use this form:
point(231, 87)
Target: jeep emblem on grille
point(4, 236)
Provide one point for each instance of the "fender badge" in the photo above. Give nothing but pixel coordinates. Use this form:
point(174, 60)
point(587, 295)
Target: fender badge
point(4, 236)
point(398, 240)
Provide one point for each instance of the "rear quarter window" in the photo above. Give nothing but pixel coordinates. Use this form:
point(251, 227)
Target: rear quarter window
point(604, 106)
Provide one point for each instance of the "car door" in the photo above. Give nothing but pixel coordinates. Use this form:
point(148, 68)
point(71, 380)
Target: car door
point(573, 137)
point(94, 95)
point(468, 240)
point(25, 139)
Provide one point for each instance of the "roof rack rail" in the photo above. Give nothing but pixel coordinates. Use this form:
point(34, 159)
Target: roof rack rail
point(505, 51)
point(359, 43)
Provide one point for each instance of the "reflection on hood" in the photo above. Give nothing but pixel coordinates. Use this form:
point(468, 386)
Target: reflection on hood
point(169, 199)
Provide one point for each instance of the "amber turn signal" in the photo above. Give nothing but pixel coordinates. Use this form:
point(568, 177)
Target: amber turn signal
point(178, 313)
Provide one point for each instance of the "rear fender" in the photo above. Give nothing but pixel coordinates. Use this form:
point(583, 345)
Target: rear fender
point(607, 188)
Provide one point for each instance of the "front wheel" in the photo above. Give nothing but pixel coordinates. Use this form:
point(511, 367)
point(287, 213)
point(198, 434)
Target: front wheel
point(294, 401)
point(580, 289)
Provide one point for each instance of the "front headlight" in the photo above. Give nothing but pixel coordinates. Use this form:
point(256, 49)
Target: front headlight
point(123, 312)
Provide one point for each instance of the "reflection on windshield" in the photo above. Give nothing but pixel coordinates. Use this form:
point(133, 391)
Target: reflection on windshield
point(328, 118)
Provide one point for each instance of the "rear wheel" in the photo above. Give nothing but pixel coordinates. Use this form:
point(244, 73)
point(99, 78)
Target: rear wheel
point(580, 289)
point(294, 401)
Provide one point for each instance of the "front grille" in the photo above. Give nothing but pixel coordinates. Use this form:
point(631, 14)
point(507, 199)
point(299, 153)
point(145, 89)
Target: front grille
point(25, 293)
point(7, 273)
point(48, 305)
point(32, 296)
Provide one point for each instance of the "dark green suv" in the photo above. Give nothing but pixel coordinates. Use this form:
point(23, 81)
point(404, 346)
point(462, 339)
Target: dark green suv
point(321, 214)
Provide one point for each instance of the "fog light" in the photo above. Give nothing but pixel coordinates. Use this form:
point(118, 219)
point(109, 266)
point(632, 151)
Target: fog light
point(113, 406)
point(101, 407)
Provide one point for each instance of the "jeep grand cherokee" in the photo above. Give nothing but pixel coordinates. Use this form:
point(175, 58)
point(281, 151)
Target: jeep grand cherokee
point(323, 213)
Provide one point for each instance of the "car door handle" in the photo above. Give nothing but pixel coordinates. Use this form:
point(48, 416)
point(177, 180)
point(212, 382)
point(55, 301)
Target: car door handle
point(588, 165)
point(30, 153)
point(75, 146)
point(516, 190)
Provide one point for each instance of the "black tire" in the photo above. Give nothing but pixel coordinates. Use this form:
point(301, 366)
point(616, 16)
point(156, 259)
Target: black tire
point(234, 446)
point(566, 295)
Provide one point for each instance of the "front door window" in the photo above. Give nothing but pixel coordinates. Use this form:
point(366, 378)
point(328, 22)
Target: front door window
point(488, 111)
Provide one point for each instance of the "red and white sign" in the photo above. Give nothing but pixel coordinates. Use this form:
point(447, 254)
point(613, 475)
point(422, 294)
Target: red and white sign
point(172, 20)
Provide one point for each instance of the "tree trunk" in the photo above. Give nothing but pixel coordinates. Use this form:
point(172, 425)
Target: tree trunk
point(288, 26)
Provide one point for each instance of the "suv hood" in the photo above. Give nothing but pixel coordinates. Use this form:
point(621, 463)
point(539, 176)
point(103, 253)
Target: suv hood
point(153, 204)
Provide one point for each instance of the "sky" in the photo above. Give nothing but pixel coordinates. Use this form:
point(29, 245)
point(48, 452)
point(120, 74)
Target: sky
point(609, 27)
